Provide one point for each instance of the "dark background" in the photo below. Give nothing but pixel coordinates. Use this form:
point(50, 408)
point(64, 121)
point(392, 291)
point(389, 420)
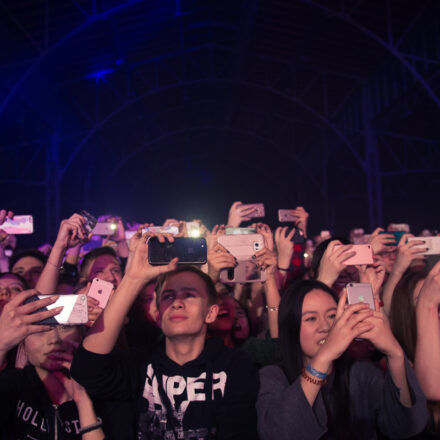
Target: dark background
point(156, 109)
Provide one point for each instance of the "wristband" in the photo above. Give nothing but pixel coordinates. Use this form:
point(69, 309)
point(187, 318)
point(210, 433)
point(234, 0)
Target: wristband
point(90, 428)
point(273, 308)
point(285, 270)
point(316, 373)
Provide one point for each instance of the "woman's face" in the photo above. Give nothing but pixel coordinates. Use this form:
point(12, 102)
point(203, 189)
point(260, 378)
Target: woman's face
point(45, 350)
point(10, 285)
point(318, 315)
point(241, 326)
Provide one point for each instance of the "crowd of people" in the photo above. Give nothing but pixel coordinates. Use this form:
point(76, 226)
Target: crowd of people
point(180, 353)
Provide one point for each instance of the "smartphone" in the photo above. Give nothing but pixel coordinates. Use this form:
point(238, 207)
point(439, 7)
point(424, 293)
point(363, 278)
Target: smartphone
point(399, 227)
point(90, 221)
point(397, 236)
point(245, 272)
point(285, 215)
point(242, 247)
point(360, 293)
point(189, 250)
point(192, 229)
point(74, 312)
point(364, 255)
point(173, 230)
point(240, 231)
point(19, 224)
point(258, 210)
point(298, 236)
point(101, 290)
point(107, 228)
point(432, 243)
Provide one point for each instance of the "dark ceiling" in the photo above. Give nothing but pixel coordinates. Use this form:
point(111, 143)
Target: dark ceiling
point(151, 109)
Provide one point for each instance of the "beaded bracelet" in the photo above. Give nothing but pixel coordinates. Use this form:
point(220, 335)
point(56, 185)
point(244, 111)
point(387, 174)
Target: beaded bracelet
point(273, 308)
point(311, 380)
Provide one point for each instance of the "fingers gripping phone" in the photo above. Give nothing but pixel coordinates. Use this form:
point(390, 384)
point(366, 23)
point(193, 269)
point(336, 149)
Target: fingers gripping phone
point(74, 311)
point(242, 247)
point(100, 290)
point(258, 210)
point(286, 215)
point(431, 246)
point(397, 236)
point(360, 293)
point(90, 221)
point(187, 249)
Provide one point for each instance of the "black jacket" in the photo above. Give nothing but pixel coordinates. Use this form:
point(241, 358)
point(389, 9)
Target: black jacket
point(212, 396)
point(26, 411)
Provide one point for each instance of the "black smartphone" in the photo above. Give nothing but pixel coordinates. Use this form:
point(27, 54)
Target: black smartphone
point(90, 220)
point(187, 249)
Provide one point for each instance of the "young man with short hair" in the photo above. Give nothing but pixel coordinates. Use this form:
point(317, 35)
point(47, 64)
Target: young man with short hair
point(188, 388)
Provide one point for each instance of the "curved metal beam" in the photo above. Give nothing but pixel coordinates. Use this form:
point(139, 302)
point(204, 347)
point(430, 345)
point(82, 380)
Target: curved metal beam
point(293, 99)
point(223, 128)
point(391, 48)
point(89, 21)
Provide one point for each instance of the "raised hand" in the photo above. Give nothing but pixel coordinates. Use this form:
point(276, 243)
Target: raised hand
point(219, 259)
point(284, 244)
point(380, 334)
point(373, 274)
point(267, 261)
point(265, 231)
point(139, 267)
point(17, 320)
point(350, 322)
point(380, 242)
point(211, 238)
point(302, 216)
point(238, 214)
point(71, 233)
point(407, 252)
point(5, 215)
point(332, 262)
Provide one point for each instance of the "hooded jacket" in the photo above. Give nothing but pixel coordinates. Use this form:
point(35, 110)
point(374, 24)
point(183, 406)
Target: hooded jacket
point(26, 411)
point(212, 396)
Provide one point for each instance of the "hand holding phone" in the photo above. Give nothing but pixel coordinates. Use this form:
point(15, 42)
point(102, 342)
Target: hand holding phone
point(431, 245)
point(74, 309)
point(243, 248)
point(363, 255)
point(19, 319)
point(287, 215)
point(360, 293)
point(140, 267)
point(100, 290)
point(187, 250)
point(72, 232)
point(239, 213)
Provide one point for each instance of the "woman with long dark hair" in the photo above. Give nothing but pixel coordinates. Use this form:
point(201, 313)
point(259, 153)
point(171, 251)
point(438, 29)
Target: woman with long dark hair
point(316, 392)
